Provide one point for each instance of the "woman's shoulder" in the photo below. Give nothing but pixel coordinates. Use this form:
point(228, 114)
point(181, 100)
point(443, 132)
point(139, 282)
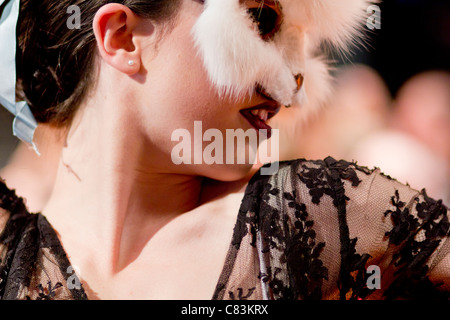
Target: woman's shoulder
point(14, 217)
point(316, 175)
point(342, 218)
point(12, 208)
point(321, 167)
point(334, 185)
point(301, 186)
point(33, 264)
point(327, 173)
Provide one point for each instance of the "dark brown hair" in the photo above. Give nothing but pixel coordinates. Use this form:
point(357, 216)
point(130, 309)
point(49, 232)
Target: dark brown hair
point(55, 63)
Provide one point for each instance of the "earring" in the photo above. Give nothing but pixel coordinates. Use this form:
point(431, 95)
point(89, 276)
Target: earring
point(131, 63)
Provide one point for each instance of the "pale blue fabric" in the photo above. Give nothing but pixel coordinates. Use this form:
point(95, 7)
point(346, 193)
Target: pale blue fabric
point(24, 124)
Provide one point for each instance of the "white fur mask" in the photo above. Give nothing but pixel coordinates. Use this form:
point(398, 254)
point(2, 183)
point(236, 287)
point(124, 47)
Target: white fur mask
point(237, 57)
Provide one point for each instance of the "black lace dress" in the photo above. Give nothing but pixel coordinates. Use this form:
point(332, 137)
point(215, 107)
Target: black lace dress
point(314, 230)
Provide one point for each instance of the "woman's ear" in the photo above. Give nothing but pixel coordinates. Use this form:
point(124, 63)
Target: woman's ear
point(115, 32)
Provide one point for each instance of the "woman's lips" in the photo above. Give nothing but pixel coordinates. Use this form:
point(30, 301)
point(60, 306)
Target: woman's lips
point(259, 115)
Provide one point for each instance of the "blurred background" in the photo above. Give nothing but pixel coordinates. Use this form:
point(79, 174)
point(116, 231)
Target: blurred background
point(7, 141)
point(391, 109)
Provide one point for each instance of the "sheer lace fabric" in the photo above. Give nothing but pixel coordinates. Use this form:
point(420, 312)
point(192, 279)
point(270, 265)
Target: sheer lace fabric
point(311, 231)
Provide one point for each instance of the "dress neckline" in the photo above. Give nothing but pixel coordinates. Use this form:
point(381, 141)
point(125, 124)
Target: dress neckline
point(54, 243)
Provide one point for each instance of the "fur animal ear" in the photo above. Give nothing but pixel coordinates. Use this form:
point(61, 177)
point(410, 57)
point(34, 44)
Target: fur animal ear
point(337, 22)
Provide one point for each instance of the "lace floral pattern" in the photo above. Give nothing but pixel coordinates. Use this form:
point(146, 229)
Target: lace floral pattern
point(274, 221)
point(308, 232)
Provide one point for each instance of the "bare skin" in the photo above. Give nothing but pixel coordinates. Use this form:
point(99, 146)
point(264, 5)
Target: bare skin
point(32, 176)
point(133, 223)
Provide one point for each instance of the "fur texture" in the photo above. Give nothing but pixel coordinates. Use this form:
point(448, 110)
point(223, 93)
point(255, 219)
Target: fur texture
point(237, 58)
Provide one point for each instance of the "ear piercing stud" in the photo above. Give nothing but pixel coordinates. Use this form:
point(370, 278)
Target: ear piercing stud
point(131, 63)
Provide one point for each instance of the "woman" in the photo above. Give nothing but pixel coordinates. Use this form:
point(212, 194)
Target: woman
point(124, 221)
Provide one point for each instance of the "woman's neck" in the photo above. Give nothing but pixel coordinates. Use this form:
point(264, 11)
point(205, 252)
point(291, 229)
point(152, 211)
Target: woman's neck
point(109, 189)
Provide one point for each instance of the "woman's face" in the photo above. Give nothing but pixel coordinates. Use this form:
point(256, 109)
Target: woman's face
point(175, 93)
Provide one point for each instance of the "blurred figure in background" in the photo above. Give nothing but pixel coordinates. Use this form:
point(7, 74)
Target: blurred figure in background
point(414, 146)
point(423, 109)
